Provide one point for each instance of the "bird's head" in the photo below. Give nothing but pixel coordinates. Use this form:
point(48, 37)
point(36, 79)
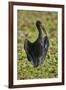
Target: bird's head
point(40, 26)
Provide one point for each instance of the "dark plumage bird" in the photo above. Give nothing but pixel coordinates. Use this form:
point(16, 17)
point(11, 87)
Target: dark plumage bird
point(36, 51)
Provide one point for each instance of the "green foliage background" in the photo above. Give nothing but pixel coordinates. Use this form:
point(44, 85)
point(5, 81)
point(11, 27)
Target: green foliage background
point(26, 26)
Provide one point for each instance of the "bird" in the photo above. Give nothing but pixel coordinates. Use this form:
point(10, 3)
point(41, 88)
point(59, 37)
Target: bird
point(36, 51)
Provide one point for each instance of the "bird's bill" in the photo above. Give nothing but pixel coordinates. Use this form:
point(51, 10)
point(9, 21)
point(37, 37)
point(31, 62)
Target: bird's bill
point(43, 29)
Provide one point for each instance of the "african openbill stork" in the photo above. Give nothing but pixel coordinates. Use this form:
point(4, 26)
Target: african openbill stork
point(36, 51)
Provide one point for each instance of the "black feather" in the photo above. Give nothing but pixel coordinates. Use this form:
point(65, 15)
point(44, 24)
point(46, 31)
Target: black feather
point(36, 51)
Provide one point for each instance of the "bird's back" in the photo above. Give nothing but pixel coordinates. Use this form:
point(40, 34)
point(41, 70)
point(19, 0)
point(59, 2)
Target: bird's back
point(38, 48)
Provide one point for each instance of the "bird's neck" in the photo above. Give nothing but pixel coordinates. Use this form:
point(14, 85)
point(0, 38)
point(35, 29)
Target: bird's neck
point(40, 33)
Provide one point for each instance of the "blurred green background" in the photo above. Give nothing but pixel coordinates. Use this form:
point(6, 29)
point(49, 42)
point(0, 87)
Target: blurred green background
point(26, 28)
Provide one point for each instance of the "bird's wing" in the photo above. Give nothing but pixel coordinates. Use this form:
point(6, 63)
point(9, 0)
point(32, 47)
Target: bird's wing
point(27, 49)
point(45, 46)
